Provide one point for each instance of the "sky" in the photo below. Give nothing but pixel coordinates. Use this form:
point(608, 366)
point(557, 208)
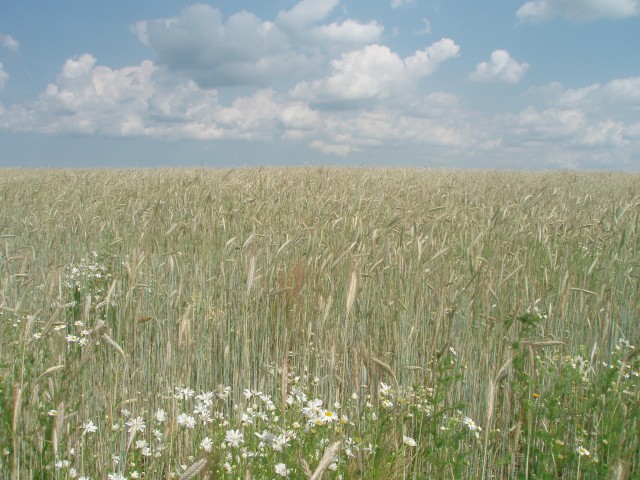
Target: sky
point(495, 84)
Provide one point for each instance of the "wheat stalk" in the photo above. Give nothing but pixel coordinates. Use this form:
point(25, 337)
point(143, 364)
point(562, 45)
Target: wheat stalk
point(351, 292)
point(251, 273)
point(113, 343)
point(17, 407)
point(619, 471)
point(329, 456)
point(185, 326)
point(194, 469)
point(57, 429)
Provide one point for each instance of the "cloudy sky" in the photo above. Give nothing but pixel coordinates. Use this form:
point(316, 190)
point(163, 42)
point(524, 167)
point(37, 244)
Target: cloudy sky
point(539, 84)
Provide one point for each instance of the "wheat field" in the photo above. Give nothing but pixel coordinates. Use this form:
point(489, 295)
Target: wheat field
point(319, 323)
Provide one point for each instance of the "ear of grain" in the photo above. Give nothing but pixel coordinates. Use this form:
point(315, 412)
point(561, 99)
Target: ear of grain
point(351, 292)
point(327, 307)
point(185, 326)
point(305, 467)
point(619, 471)
point(87, 308)
point(284, 378)
point(194, 469)
point(17, 408)
point(373, 362)
point(50, 371)
point(107, 301)
point(113, 344)
point(57, 429)
point(251, 274)
point(329, 456)
point(28, 325)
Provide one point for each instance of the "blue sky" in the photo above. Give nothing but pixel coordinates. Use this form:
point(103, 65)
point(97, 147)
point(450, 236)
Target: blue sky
point(527, 84)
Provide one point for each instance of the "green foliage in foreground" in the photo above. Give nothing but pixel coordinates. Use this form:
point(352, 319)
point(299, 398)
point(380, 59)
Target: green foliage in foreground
point(313, 323)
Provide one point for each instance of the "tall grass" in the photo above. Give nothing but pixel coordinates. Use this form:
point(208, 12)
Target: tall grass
point(492, 295)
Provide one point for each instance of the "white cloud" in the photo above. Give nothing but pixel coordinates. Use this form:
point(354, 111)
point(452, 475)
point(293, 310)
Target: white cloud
point(331, 149)
point(10, 43)
point(87, 99)
point(550, 124)
point(305, 13)
point(147, 100)
point(594, 116)
point(245, 50)
point(4, 77)
point(427, 27)
point(349, 32)
point(342, 133)
point(303, 25)
point(578, 10)
point(625, 90)
point(501, 68)
point(375, 72)
point(402, 3)
point(571, 129)
point(619, 96)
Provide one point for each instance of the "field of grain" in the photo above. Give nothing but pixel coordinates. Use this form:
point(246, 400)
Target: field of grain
point(319, 323)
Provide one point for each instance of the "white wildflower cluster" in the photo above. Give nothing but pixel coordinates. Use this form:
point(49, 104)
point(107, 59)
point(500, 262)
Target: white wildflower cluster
point(470, 424)
point(88, 270)
point(583, 452)
point(623, 345)
point(386, 393)
point(420, 398)
point(626, 360)
point(88, 427)
point(534, 309)
point(580, 365)
point(85, 284)
point(201, 406)
point(317, 414)
point(75, 334)
point(408, 441)
point(265, 431)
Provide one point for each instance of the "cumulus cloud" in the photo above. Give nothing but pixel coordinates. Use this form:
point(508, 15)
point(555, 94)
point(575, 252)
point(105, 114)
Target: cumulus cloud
point(349, 32)
point(625, 90)
point(87, 99)
point(10, 43)
point(620, 96)
point(533, 125)
point(375, 72)
point(593, 116)
point(501, 68)
point(242, 50)
point(306, 12)
point(246, 50)
point(4, 77)
point(577, 10)
point(341, 150)
point(571, 128)
point(341, 133)
point(583, 126)
point(303, 25)
point(147, 100)
point(402, 3)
